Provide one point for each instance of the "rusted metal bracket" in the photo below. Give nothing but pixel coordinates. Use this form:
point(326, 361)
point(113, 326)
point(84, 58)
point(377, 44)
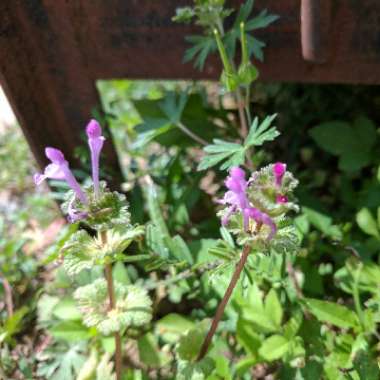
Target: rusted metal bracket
point(315, 23)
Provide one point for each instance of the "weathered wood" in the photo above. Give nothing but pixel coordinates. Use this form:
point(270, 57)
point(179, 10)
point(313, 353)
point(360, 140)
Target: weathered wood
point(45, 76)
point(52, 52)
point(137, 39)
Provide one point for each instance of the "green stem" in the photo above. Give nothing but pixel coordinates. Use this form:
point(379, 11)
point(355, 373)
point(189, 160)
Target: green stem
point(191, 134)
point(243, 40)
point(356, 295)
point(223, 54)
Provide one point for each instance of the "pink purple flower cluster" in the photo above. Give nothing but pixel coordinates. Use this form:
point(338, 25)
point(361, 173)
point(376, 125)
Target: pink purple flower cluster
point(237, 199)
point(59, 168)
point(279, 170)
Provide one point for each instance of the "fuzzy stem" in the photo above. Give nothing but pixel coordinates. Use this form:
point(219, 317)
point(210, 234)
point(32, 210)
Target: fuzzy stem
point(112, 303)
point(220, 310)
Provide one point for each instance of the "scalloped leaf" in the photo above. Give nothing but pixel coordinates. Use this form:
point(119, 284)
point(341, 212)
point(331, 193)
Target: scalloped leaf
point(133, 306)
point(82, 251)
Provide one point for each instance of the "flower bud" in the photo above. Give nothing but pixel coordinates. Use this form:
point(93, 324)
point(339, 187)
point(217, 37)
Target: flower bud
point(93, 129)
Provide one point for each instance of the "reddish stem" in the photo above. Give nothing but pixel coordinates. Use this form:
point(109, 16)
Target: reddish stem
point(220, 310)
point(112, 303)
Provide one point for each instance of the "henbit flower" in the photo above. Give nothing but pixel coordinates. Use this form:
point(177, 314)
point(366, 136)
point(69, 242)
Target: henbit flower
point(279, 170)
point(59, 169)
point(237, 198)
point(263, 218)
point(281, 198)
point(75, 215)
point(95, 142)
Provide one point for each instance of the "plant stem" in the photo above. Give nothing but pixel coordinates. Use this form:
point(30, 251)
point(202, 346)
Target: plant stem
point(247, 101)
point(220, 310)
point(191, 134)
point(355, 293)
point(112, 303)
point(241, 106)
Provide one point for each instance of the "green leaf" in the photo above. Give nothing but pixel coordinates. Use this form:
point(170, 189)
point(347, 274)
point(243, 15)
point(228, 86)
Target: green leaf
point(149, 350)
point(203, 47)
point(221, 146)
point(195, 371)
point(209, 161)
point(88, 369)
point(334, 136)
point(367, 222)
point(261, 21)
point(70, 331)
point(133, 306)
point(255, 46)
point(332, 313)
point(253, 310)
point(322, 222)
point(274, 347)
point(366, 366)
point(258, 134)
point(69, 364)
point(104, 371)
point(219, 151)
point(366, 131)
point(120, 273)
point(273, 308)
point(354, 160)
point(172, 105)
point(154, 209)
point(66, 310)
point(236, 159)
point(13, 324)
point(353, 143)
point(180, 249)
point(244, 12)
point(190, 344)
point(293, 325)
point(172, 326)
point(247, 337)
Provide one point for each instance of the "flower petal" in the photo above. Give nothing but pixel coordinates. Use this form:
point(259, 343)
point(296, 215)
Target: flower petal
point(54, 171)
point(54, 155)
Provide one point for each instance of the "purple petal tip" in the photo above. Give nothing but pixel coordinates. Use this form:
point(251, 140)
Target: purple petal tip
point(237, 173)
point(93, 129)
point(281, 199)
point(54, 155)
point(279, 169)
point(38, 178)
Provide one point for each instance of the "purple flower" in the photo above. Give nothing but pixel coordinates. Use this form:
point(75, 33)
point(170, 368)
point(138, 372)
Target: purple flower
point(95, 141)
point(75, 215)
point(281, 198)
point(236, 198)
point(279, 170)
point(59, 169)
point(263, 218)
